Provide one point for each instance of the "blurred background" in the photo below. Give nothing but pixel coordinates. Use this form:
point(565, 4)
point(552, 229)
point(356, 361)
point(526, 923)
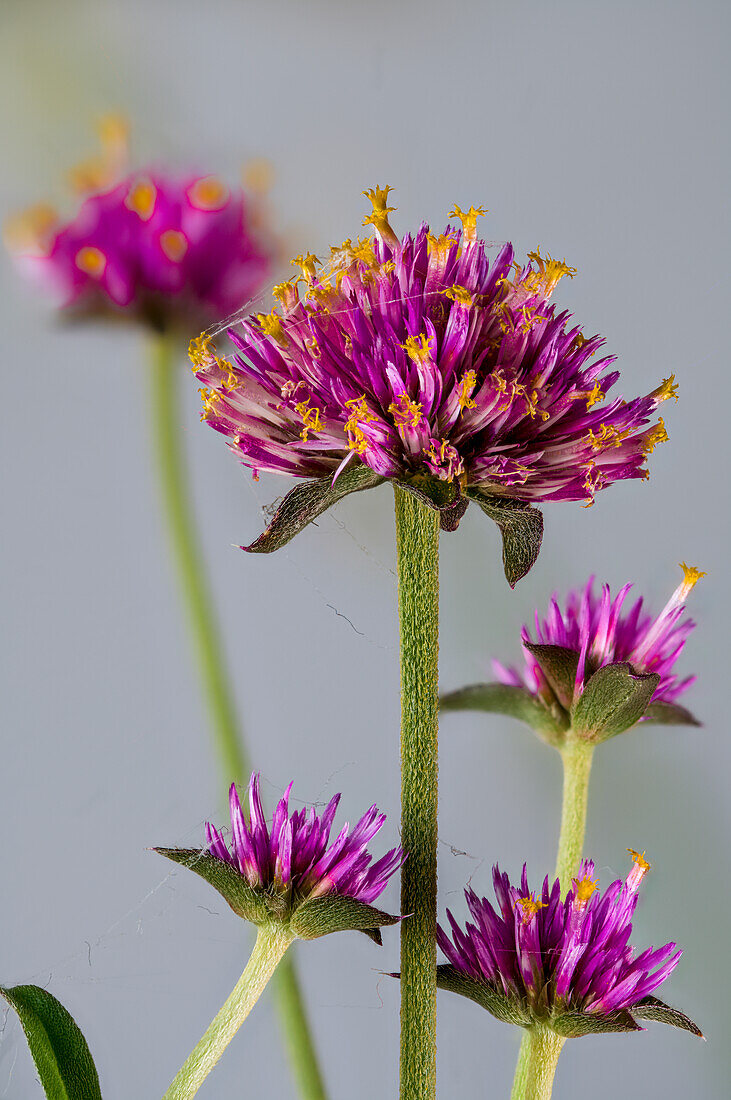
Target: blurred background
point(598, 131)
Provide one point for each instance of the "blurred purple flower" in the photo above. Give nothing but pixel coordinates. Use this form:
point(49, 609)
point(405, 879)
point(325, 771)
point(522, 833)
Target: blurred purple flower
point(418, 358)
point(565, 963)
point(146, 243)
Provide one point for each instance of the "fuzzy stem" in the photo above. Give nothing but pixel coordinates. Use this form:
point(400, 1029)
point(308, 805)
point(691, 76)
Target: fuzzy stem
point(271, 943)
point(210, 660)
point(544, 1049)
point(577, 757)
point(520, 1081)
point(417, 542)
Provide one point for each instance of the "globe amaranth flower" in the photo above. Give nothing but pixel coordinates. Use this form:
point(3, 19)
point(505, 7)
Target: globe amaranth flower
point(420, 360)
point(291, 872)
point(594, 668)
point(147, 243)
point(563, 963)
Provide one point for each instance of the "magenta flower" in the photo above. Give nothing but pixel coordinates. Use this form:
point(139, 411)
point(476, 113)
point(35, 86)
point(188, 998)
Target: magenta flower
point(291, 871)
point(562, 963)
point(594, 667)
point(419, 360)
point(149, 244)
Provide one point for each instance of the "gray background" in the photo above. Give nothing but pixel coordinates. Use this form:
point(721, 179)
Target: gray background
point(596, 130)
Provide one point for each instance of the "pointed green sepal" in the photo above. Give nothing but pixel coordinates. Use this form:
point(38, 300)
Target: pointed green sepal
point(517, 702)
point(496, 1003)
point(332, 913)
point(252, 905)
point(306, 502)
point(521, 527)
point(574, 1025)
point(614, 700)
point(669, 714)
point(62, 1058)
point(444, 496)
point(650, 1008)
point(558, 665)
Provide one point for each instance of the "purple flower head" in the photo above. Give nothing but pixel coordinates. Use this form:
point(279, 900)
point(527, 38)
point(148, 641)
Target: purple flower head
point(146, 244)
point(420, 360)
point(290, 870)
point(564, 963)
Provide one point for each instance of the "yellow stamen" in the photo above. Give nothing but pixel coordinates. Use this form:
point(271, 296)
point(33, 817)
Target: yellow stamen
point(638, 858)
point(440, 245)
point(379, 217)
point(595, 396)
point(208, 193)
point(584, 888)
point(608, 436)
point(359, 414)
point(141, 198)
point(286, 294)
point(466, 386)
point(201, 351)
point(530, 907)
point(174, 244)
point(405, 412)
point(91, 261)
point(460, 294)
point(668, 388)
point(310, 418)
point(271, 325)
point(657, 434)
point(691, 576)
point(31, 229)
point(210, 400)
point(468, 219)
point(417, 348)
point(549, 273)
point(307, 265)
point(579, 340)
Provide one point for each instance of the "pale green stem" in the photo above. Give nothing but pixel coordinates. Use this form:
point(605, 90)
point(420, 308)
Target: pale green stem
point(417, 541)
point(544, 1048)
point(271, 943)
point(233, 759)
point(577, 757)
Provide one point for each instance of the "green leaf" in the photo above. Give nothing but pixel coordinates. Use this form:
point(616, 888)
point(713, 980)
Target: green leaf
point(521, 527)
point(574, 1025)
point(650, 1008)
point(558, 665)
point(496, 1003)
point(60, 1052)
point(252, 905)
point(332, 913)
point(444, 496)
point(517, 702)
point(614, 699)
point(306, 502)
point(669, 714)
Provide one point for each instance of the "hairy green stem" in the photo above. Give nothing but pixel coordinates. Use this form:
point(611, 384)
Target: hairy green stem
point(544, 1048)
point(577, 757)
point(520, 1081)
point(417, 541)
point(210, 659)
point(271, 943)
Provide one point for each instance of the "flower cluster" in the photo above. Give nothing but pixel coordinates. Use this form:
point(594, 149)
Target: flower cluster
point(563, 962)
point(420, 358)
point(144, 243)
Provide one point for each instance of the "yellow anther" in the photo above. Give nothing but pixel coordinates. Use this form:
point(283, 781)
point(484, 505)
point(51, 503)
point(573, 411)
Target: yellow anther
point(365, 253)
point(531, 405)
point(286, 294)
point(549, 273)
point(208, 193)
point(31, 230)
point(595, 396)
point(530, 907)
point(91, 261)
point(465, 388)
point(691, 576)
point(174, 244)
point(201, 351)
point(446, 454)
point(638, 858)
point(307, 265)
point(460, 294)
point(271, 325)
point(310, 418)
point(440, 245)
point(210, 400)
point(579, 340)
point(657, 434)
point(405, 412)
point(379, 217)
point(141, 198)
point(584, 888)
point(667, 389)
point(359, 414)
point(468, 219)
point(608, 436)
point(418, 348)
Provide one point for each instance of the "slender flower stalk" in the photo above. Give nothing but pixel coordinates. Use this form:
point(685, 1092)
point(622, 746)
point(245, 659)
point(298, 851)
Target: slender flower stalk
point(417, 540)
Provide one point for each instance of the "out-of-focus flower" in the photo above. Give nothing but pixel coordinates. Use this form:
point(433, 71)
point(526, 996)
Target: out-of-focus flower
point(291, 872)
point(416, 359)
point(594, 668)
point(560, 963)
point(145, 244)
